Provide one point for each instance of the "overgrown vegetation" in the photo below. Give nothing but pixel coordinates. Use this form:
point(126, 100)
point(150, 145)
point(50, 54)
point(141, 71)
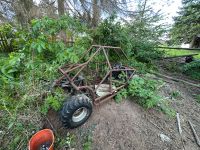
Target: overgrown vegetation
point(197, 98)
point(88, 143)
point(114, 33)
point(7, 34)
point(191, 69)
point(142, 90)
point(33, 49)
point(175, 94)
point(66, 142)
point(26, 74)
point(175, 52)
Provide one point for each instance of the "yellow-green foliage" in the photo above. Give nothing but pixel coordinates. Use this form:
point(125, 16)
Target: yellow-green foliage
point(175, 52)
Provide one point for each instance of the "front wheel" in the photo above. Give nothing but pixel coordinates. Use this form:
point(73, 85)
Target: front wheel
point(76, 111)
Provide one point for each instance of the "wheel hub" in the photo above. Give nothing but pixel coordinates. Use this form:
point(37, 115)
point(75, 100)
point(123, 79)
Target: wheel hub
point(79, 114)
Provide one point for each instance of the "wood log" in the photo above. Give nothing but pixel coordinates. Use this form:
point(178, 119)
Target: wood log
point(195, 134)
point(175, 79)
point(178, 48)
point(170, 57)
point(178, 123)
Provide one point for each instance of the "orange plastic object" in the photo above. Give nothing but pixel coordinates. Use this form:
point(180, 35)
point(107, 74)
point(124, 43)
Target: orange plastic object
point(40, 138)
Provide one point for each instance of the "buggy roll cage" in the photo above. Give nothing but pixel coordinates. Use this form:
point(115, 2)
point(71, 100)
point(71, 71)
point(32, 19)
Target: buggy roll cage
point(68, 68)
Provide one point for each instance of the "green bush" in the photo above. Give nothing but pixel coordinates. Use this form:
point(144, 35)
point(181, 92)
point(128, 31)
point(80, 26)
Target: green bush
point(7, 33)
point(192, 69)
point(87, 145)
point(113, 33)
point(110, 32)
point(54, 101)
point(197, 97)
point(144, 91)
point(148, 54)
point(38, 56)
point(122, 94)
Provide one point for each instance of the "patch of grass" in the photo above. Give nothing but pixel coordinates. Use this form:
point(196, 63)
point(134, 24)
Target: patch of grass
point(122, 94)
point(175, 52)
point(190, 69)
point(197, 97)
point(172, 66)
point(175, 94)
point(88, 143)
point(65, 143)
point(86, 137)
point(165, 107)
point(145, 92)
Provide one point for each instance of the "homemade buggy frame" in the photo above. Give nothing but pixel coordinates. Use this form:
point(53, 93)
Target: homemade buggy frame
point(95, 88)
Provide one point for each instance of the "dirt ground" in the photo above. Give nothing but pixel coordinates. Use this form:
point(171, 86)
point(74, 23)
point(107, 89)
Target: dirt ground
point(128, 126)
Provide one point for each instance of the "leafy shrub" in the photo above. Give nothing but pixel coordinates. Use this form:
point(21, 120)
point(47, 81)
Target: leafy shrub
point(139, 66)
point(197, 97)
point(66, 142)
point(192, 69)
point(88, 143)
point(147, 55)
point(39, 53)
point(110, 32)
point(166, 108)
point(8, 34)
point(145, 51)
point(113, 33)
point(144, 91)
point(191, 66)
point(11, 66)
point(175, 94)
point(122, 94)
point(53, 101)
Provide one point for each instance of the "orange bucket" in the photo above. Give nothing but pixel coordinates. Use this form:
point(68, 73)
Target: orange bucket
point(42, 139)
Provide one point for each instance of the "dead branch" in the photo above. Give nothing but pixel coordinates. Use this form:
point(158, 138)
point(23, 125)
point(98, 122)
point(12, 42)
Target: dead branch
point(178, 123)
point(195, 134)
point(178, 48)
point(55, 131)
point(175, 79)
point(179, 56)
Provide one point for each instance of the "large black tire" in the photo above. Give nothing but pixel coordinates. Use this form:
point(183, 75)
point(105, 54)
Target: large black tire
point(76, 111)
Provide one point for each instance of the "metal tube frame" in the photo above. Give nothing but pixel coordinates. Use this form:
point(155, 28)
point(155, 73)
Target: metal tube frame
point(112, 92)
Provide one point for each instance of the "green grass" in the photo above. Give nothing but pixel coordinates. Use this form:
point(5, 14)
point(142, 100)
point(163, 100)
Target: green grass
point(197, 97)
point(189, 69)
point(175, 52)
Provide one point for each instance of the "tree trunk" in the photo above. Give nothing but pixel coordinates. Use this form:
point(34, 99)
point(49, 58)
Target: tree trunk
point(96, 13)
point(61, 7)
point(22, 10)
point(195, 43)
point(61, 11)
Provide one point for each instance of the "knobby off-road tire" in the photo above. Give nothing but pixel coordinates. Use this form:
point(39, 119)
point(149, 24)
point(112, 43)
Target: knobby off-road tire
point(76, 111)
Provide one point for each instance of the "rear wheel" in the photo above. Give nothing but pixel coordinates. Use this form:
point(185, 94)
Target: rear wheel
point(76, 111)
